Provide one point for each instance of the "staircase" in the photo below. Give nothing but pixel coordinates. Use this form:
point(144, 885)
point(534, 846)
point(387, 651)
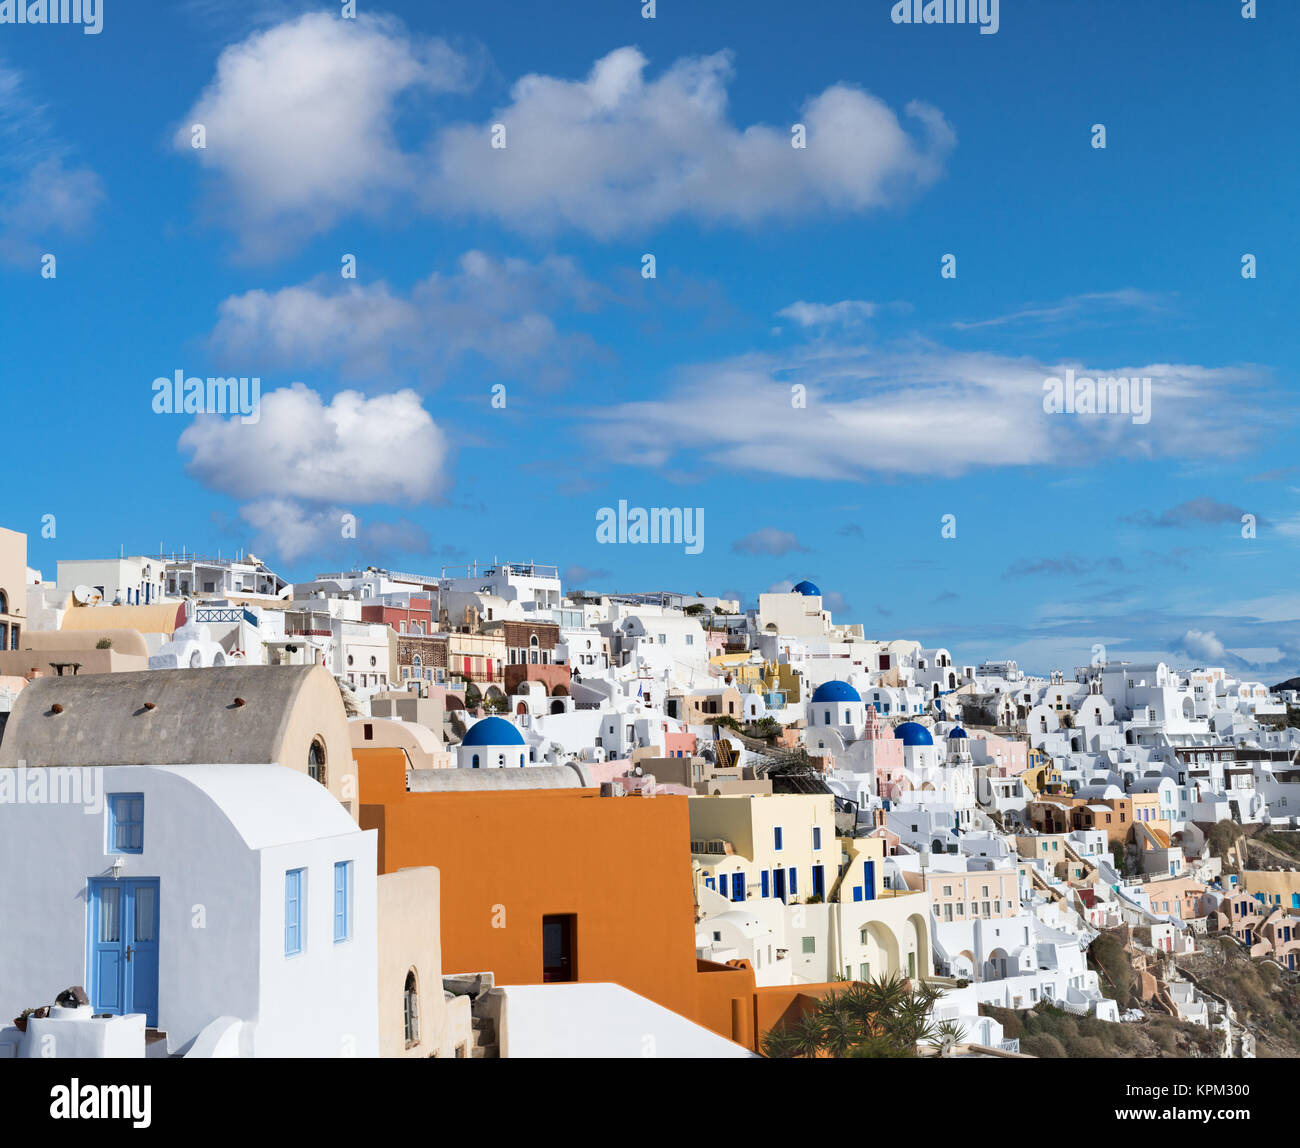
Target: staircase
point(484, 1045)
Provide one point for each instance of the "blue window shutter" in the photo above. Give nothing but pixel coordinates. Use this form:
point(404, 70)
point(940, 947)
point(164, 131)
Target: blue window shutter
point(857, 892)
point(817, 837)
point(342, 883)
point(794, 880)
point(125, 823)
point(737, 886)
point(765, 882)
point(776, 834)
point(292, 912)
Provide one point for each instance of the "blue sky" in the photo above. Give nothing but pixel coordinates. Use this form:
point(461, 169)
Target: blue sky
point(774, 266)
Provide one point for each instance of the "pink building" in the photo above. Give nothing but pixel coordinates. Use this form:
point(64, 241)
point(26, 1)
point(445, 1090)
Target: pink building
point(883, 753)
point(679, 744)
point(1005, 757)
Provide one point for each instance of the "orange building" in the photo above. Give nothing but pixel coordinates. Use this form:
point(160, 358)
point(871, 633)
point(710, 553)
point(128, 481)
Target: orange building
point(562, 884)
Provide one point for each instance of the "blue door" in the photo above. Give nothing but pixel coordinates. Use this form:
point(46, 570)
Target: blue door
point(869, 880)
point(124, 946)
point(819, 881)
point(778, 884)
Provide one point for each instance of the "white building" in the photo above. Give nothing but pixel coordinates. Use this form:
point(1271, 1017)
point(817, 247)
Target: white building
point(229, 905)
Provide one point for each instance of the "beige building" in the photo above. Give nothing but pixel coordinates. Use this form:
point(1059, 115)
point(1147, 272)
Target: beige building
point(422, 747)
point(55, 652)
point(13, 588)
point(1280, 888)
point(416, 1017)
point(246, 715)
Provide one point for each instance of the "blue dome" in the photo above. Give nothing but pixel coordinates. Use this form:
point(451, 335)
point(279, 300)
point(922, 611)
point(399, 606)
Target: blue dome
point(493, 731)
point(913, 733)
point(836, 691)
point(807, 589)
point(957, 731)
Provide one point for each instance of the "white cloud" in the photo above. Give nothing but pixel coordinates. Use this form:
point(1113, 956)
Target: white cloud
point(616, 151)
point(302, 128)
point(921, 409)
point(768, 541)
point(300, 121)
point(288, 529)
point(489, 307)
point(847, 312)
point(578, 576)
point(1204, 645)
point(42, 193)
point(353, 450)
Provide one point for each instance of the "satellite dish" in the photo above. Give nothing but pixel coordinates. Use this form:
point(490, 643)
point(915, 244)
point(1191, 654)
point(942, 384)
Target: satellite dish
point(85, 596)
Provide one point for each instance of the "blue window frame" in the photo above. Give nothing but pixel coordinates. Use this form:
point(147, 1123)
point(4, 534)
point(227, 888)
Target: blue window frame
point(737, 886)
point(294, 880)
point(708, 882)
point(342, 901)
point(817, 836)
point(126, 823)
point(794, 880)
point(765, 883)
point(776, 838)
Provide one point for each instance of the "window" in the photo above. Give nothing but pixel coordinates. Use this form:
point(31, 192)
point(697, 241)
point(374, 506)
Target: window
point(126, 822)
point(411, 1008)
point(316, 761)
point(809, 944)
point(817, 837)
point(342, 901)
point(294, 880)
point(737, 886)
point(794, 880)
point(765, 883)
point(776, 838)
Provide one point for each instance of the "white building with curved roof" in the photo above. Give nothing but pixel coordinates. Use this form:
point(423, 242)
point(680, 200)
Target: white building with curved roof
point(231, 906)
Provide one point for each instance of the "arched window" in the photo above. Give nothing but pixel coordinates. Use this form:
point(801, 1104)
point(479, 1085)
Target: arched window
point(411, 1009)
point(4, 603)
point(473, 762)
point(316, 761)
point(533, 646)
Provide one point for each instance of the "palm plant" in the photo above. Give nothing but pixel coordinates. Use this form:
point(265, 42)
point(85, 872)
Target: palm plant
point(886, 1017)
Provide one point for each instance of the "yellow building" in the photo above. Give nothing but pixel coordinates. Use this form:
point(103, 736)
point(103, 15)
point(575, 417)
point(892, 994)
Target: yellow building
point(839, 918)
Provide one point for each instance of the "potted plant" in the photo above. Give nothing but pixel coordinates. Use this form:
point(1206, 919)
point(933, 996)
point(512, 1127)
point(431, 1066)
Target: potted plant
point(20, 1021)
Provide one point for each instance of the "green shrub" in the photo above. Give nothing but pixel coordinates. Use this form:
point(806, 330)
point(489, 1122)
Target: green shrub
point(1043, 1045)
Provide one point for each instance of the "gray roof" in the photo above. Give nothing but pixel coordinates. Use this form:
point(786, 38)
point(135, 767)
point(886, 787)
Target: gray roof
point(194, 719)
point(571, 776)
